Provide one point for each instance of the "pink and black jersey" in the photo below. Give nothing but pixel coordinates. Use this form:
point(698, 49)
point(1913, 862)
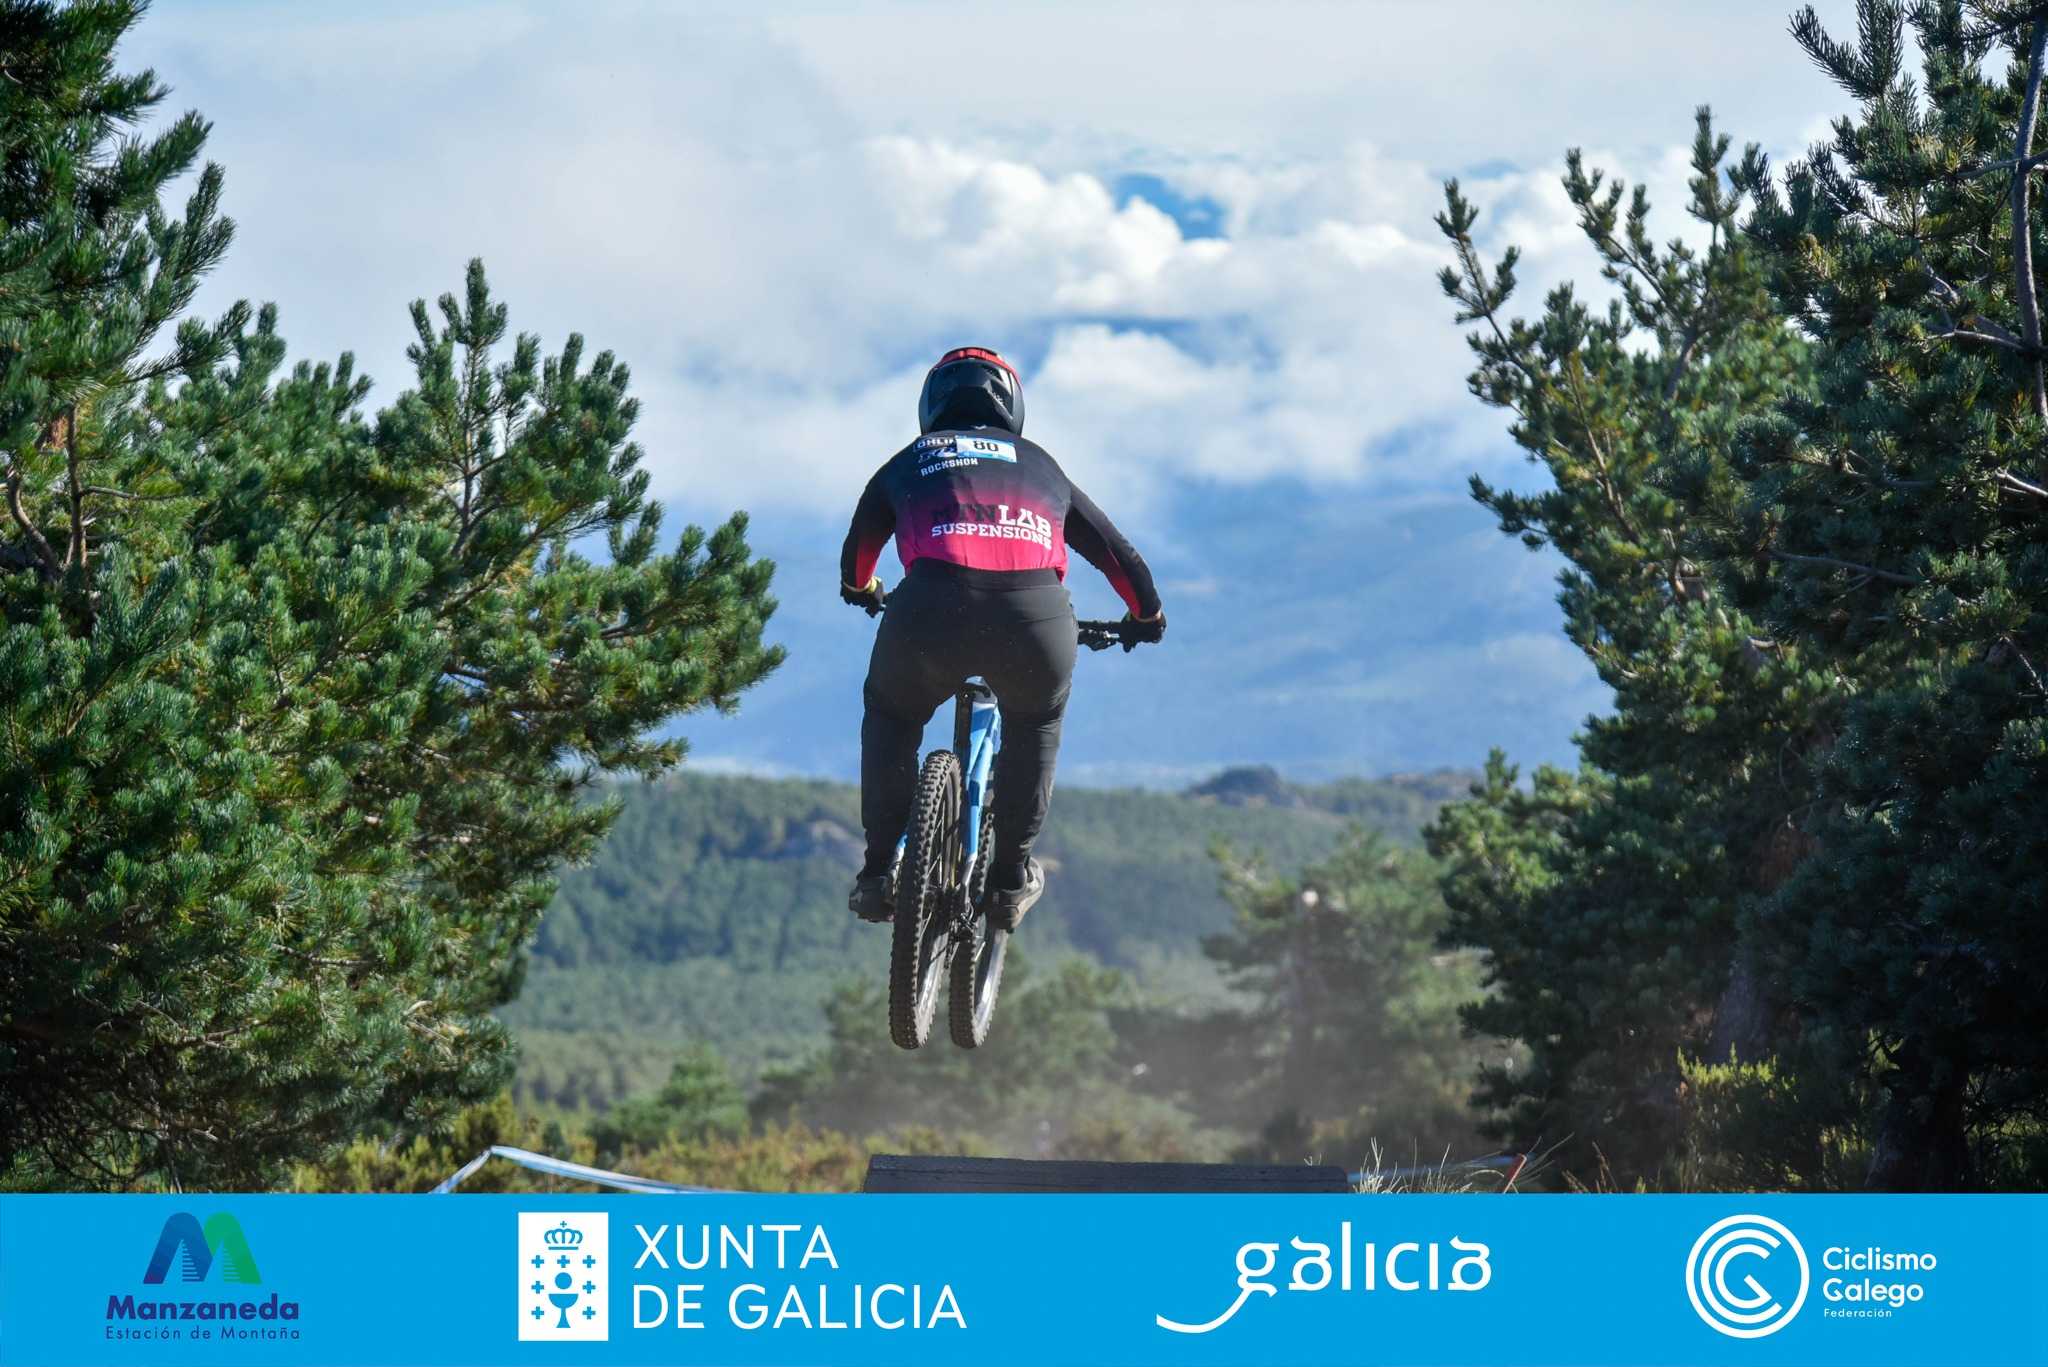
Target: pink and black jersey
point(988, 502)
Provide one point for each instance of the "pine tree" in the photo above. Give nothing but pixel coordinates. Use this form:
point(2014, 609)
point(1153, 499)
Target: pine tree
point(1824, 775)
point(1351, 1033)
point(1897, 532)
point(1609, 900)
point(300, 708)
point(700, 1100)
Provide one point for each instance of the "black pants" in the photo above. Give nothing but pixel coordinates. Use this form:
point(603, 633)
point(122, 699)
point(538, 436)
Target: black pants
point(1014, 630)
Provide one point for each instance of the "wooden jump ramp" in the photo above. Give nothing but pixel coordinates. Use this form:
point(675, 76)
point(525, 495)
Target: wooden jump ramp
point(892, 1172)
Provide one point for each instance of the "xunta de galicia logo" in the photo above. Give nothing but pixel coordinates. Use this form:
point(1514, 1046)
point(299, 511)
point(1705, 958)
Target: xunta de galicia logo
point(562, 1276)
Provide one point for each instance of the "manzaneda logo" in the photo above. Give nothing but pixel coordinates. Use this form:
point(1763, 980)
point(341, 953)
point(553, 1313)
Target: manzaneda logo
point(188, 1251)
point(220, 1238)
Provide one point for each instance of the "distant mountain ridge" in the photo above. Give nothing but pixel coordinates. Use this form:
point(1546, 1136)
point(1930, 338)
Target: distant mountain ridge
point(1385, 803)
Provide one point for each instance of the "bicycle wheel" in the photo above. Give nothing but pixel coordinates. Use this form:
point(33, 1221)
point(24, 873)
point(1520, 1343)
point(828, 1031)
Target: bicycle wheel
point(925, 890)
point(978, 964)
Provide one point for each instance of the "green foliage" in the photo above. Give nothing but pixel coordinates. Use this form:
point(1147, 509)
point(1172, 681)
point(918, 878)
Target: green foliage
point(1608, 900)
point(716, 911)
point(1897, 529)
point(576, 1070)
point(1338, 1023)
point(700, 1100)
point(1132, 870)
point(298, 707)
point(1765, 1126)
point(1808, 549)
point(752, 871)
point(696, 867)
point(1351, 1031)
point(1049, 1073)
point(420, 1162)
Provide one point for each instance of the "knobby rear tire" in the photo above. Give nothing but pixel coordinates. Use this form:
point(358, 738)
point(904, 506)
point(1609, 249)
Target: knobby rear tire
point(925, 889)
point(978, 964)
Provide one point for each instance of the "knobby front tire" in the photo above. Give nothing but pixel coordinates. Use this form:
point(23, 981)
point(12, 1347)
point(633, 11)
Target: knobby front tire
point(925, 889)
point(978, 964)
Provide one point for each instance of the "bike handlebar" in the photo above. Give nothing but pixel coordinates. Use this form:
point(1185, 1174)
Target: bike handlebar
point(1103, 635)
point(1096, 635)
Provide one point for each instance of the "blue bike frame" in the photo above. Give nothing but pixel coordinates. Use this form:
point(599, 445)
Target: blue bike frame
point(983, 728)
point(977, 736)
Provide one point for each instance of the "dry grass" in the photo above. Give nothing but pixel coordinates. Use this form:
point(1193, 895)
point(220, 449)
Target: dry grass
point(1493, 1174)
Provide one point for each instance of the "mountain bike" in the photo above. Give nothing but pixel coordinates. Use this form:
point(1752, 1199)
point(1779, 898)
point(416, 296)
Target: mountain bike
point(940, 930)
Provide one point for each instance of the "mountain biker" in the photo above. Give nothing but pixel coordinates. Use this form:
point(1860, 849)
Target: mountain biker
point(983, 520)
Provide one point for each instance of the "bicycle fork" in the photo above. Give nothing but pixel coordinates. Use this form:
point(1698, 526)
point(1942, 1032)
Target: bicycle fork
point(977, 736)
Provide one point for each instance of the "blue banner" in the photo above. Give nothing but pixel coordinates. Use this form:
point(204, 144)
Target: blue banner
point(1040, 1280)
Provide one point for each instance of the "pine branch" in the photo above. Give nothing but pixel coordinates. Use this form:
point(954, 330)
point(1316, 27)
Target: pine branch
point(1988, 333)
point(2022, 224)
point(46, 555)
point(1831, 563)
point(75, 554)
point(107, 492)
point(2032, 673)
point(2033, 163)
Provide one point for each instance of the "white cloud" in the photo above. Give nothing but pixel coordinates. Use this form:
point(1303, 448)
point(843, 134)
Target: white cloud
point(1448, 84)
point(778, 214)
point(776, 220)
point(1305, 346)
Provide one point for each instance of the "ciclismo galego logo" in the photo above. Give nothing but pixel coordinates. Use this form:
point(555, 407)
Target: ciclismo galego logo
point(1748, 1276)
point(1771, 1275)
point(215, 1255)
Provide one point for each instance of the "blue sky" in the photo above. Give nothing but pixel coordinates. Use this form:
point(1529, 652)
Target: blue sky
point(1202, 229)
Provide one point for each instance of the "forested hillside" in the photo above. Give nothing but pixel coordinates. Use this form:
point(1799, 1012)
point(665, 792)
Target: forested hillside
point(1321, 1020)
point(715, 910)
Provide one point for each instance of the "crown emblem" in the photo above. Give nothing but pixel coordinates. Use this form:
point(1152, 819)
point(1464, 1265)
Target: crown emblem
point(563, 1237)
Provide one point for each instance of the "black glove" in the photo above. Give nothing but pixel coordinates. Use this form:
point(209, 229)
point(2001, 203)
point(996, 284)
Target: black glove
point(1137, 631)
point(869, 599)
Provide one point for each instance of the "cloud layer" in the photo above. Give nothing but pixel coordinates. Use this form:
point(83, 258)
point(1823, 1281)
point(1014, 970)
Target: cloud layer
point(779, 220)
point(779, 215)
